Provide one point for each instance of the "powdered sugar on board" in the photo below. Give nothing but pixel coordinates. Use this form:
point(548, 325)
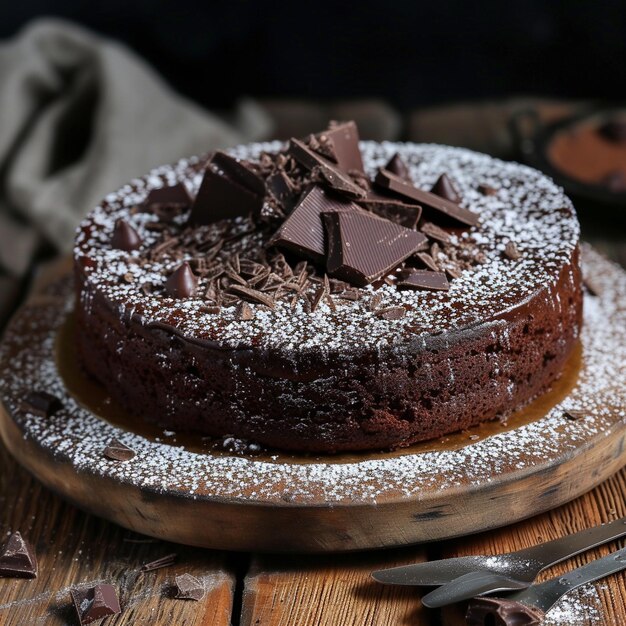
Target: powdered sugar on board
point(527, 209)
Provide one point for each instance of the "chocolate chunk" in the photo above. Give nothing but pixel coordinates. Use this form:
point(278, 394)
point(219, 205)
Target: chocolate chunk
point(444, 188)
point(425, 279)
point(319, 294)
point(391, 208)
point(117, 451)
point(228, 189)
point(391, 313)
point(244, 312)
point(252, 295)
point(188, 587)
point(17, 558)
point(95, 602)
point(428, 200)
point(282, 189)
point(41, 404)
point(182, 283)
point(397, 166)
point(125, 237)
point(362, 248)
point(486, 190)
point(502, 612)
point(434, 232)
point(174, 195)
point(325, 170)
point(614, 130)
point(164, 561)
point(511, 251)
point(303, 232)
point(427, 260)
point(342, 141)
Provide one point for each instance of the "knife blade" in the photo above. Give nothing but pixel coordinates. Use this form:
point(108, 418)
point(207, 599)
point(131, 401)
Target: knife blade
point(528, 607)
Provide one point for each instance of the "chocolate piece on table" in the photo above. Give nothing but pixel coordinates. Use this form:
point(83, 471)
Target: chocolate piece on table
point(425, 279)
point(326, 170)
point(17, 558)
point(164, 561)
point(117, 451)
point(95, 602)
point(362, 248)
point(511, 251)
point(228, 189)
point(434, 232)
point(41, 403)
point(188, 587)
point(444, 188)
point(182, 283)
point(614, 130)
point(502, 612)
point(428, 200)
point(397, 166)
point(303, 232)
point(343, 140)
point(125, 237)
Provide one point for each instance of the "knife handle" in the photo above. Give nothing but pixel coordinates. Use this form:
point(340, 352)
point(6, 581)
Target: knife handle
point(563, 548)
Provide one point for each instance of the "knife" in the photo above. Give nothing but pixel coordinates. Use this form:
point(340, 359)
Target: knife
point(522, 565)
point(528, 607)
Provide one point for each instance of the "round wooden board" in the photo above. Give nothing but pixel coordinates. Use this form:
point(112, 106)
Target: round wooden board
point(184, 489)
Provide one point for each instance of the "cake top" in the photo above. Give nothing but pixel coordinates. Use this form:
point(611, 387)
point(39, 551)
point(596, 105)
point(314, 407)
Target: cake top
point(510, 235)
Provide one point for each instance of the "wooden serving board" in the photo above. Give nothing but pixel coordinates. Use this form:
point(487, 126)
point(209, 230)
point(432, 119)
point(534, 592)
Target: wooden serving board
point(183, 489)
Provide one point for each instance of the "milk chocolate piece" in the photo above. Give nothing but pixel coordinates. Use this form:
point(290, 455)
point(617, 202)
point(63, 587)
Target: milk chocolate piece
point(444, 188)
point(41, 403)
point(125, 237)
point(17, 558)
point(425, 279)
point(343, 140)
point(303, 232)
point(330, 173)
point(117, 451)
point(95, 602)
point(362, 248)
point(397, 166)
point(428, 200)
point(228, 189)
point(182, 283)
point(252, 295)
point(174, 194)
point(502, 612)
point(188, 587)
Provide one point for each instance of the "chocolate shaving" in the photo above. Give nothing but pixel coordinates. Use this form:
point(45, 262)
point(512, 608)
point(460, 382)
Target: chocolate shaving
point(211, 310)
point(117, 451)
point(244, 312)
point(164, 561)
point(350, 294)
point(41, 404)
point(252, 295)
point(188, 587)
point(319, 294)
point(427, 260)
point(512, 252)
point(17, 558)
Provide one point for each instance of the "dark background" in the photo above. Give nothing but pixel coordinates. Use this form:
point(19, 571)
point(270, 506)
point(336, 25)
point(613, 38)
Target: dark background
point(410, 53)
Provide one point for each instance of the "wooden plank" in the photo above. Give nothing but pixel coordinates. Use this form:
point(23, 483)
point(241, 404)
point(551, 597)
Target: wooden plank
point(329, 590)
point(607, 605)
point(75, 548)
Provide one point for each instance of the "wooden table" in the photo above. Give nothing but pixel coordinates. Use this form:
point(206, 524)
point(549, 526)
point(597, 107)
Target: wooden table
point(258, 589)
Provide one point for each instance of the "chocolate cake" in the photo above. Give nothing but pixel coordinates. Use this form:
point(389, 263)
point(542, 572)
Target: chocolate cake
point(329, 295)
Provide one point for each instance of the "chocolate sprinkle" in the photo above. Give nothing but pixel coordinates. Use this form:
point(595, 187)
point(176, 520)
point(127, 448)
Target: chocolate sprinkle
point(362, 248)
point(425, 279)
point(182, 283)
point(117, 451)
point(164, 561)
point(444, 188)
point(188, 587)
point(125, 237)
point(95, 602)
point(41, 403)
point(17, 558)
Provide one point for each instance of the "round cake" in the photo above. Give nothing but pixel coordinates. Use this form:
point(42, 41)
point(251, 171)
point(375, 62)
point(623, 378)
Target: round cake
point(327, 294)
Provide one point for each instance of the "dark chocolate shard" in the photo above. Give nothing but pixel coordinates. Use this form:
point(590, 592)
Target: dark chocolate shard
point(125, 237)
point(282, 189)
point(164, 561)
point(434, 232)
point(502, 612)
point(325, 170)
point(228, 189)
point(511, 251)
point(188, 587)
point(444, 188)
point(425, 279)
point(41, 403)
point(95, 602)
point(397, 166)
point(614, 130)
point(303, 232)
point(175, 194)
point(320, 293)
point(244, 312)
point(343, 146)
point(117, 451)
point(394, 209)
point(391, 313)
point(17, 558)
point(427, 260)
point(252, 295)
point(428, 200)
point(182, 283)
point(362, 248)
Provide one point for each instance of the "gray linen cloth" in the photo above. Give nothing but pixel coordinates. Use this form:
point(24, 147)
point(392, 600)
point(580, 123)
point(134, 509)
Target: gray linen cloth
point(79, 116)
